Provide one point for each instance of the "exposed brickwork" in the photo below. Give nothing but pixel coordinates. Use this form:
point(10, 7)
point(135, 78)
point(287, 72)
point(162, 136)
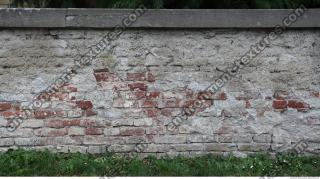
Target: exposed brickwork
point(130, 96)
point(5, 106)
point(280, 104)
point(297, 104)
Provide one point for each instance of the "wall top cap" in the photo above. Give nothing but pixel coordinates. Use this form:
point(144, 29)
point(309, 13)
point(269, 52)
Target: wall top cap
point(156, 18)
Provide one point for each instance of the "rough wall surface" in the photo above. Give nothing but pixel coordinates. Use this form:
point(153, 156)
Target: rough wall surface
point(130, 93)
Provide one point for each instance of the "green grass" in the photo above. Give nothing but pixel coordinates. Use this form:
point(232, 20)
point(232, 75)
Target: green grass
point(35, 163)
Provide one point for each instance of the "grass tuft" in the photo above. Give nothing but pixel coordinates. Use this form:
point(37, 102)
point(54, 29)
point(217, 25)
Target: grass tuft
point(45, 163)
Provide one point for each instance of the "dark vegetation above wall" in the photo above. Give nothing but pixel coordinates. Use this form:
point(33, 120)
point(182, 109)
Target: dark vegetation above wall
point(168, 4)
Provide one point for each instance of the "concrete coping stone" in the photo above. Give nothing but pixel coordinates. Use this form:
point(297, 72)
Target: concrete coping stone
point(153, 18)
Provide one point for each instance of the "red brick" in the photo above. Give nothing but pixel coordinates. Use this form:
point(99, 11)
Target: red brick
point(190, 103)
point(136, 76)
point(60, 96)
point(219, 96)
point(71, 89)
point(152, 112)
point(150, 77)
point(149, 104)
point(140, 86)
point(4, 106)
point(297, 104)
point(84, 104)
point(54, 123)
point(101, 77)
point(92, 123)
point(71, 122)
point(166, 112)
point(139, 94)
point(93, 131)
point(43, 114)
point(59, 113)
point(279, 104)
point(132, 131)
point(153, 94)
point(9, 114)
point(105, 76)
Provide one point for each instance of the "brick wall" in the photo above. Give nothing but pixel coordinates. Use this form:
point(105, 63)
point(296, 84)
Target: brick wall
point(132, 91)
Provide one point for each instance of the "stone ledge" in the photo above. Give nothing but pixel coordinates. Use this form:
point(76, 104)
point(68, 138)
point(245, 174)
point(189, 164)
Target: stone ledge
point(191, 18)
